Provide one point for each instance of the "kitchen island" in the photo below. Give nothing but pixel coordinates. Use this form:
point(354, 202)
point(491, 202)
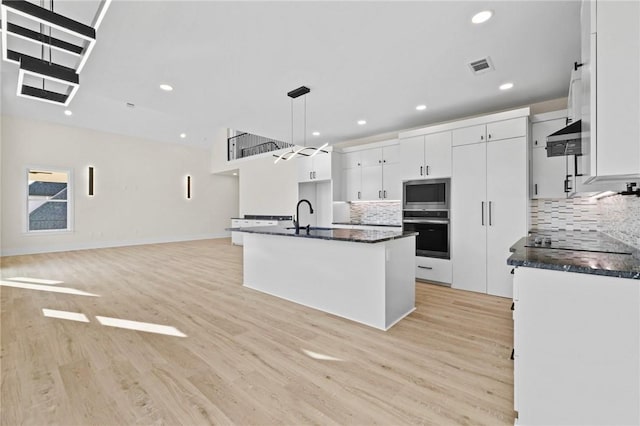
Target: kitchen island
point(363, 275)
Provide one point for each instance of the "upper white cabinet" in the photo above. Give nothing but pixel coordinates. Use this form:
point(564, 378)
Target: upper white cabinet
point(427, 156)
point(372, 174)
point(611, 82)
point(314, 168)
point(548, 174)
point(505, 129)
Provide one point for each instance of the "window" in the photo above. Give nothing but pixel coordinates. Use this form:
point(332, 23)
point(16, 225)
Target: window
point(48, 205)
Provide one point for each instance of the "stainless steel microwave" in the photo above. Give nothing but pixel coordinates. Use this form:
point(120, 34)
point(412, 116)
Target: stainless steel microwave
point(426, 194)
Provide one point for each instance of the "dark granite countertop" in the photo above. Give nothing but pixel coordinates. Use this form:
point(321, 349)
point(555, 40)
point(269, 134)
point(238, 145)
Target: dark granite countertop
point(263, 217)
point(337, 234)
point(367, 224)
point(586, 252)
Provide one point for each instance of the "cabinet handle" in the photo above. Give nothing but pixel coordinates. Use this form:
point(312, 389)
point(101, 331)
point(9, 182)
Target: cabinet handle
point(513, 353)
point(358, 195)
point(384, 194)
point(482, 210)
point(310, 175)
point(379, 194)
point(421, 170)
point(427, 169)
point(513, 306)
point(576, 66)
point(384, 161)
point(481, 137)
point(490, 224)
point(379, 161)
point(535, 189)
point(575, 165)
point(535, 142)
point(489, 135)
point(425, 267)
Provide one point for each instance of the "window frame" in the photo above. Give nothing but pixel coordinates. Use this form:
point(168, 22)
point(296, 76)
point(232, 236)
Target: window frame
point(70, 201)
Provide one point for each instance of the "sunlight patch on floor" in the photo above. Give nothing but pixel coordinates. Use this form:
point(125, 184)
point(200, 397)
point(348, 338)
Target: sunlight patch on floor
point(34, 280)
point(73, 316)
point(321, 357)
point(141, 326)
point(40, 287)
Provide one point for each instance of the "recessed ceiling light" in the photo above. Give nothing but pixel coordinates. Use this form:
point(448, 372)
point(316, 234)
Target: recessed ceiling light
point(68, 112)
point(506, 86)
point(481, 17)
point(362, 122)
point(421, 107)
point(316, 133)
point(183, 135)
point(166, 87)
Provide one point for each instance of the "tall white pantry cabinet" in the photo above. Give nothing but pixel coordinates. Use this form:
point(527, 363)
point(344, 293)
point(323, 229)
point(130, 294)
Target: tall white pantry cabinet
point(488, 203)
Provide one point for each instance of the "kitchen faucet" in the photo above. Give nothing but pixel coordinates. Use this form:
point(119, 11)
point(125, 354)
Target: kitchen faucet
point(296, 221)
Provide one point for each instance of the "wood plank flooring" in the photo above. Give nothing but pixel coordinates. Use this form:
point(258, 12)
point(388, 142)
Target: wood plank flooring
point(248, 358)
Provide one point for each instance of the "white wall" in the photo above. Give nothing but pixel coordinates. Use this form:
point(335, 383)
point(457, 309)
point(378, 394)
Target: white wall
point(267, 188)
point(140, 188)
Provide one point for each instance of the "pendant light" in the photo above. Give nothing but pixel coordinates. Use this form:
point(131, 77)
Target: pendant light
point(304, 150)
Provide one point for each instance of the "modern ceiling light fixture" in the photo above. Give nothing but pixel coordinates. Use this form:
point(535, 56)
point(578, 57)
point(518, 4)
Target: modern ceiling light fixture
point(166, 87)
point(362, 122)
point(421, 107)
point(71, 40)
point(304, 150)
point(481, 17)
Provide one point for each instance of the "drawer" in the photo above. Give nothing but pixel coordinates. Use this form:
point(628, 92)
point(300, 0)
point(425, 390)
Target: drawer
point(432, 269)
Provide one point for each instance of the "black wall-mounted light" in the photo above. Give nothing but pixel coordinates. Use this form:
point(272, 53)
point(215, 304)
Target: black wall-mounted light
point(91, 181)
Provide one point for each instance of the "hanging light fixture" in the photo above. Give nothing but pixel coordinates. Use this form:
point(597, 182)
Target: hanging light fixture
point(79, 41)
point(304, 150)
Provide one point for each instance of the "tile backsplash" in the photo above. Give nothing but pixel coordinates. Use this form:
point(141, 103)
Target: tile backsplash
point(386, 212)
point(617, 216)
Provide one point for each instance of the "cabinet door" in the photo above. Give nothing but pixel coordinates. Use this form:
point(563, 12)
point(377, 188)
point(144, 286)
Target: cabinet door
point(506, 129)
point(391, 154)
point(412, 158)
point(321, 166)
point(507, 209)
point(392, 182)
point(467, 135)
point(618, 86)
point(351, 159)
point(371, 157)
point(547, 173)
point(469, 218)
point(372, 182)
point(305, 168)
point(353, 184)
point(437, 153)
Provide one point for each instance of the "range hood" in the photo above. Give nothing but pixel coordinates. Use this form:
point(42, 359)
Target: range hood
point(566, 141)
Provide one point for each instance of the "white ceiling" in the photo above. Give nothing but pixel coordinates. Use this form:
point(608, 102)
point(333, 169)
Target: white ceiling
point(232, 63)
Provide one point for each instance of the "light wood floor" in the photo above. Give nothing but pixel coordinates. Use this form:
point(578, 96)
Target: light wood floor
point(248, 358)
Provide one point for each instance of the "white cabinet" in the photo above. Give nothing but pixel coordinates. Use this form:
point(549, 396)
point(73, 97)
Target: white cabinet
point(488, 212)
point(236, 237)
point(576, 348)
point(611, 79)
point(547, 173)
point(427, 156)
point(505, 129)
point(373, 174)
point(314, 168)
point(433, 269)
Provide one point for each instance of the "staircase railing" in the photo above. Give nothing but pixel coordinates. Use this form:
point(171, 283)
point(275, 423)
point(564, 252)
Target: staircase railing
point(246, 144)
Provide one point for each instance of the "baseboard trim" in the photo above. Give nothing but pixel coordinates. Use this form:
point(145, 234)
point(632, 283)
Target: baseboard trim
point(109, 244)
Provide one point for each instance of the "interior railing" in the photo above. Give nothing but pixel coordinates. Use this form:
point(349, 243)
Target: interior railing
point(246, 144)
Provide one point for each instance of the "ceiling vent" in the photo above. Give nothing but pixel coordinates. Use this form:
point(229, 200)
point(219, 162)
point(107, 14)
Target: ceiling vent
point(481, 66)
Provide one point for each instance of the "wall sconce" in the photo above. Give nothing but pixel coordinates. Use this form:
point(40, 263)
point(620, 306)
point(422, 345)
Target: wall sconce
point(91, 181)
point(188, 187)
